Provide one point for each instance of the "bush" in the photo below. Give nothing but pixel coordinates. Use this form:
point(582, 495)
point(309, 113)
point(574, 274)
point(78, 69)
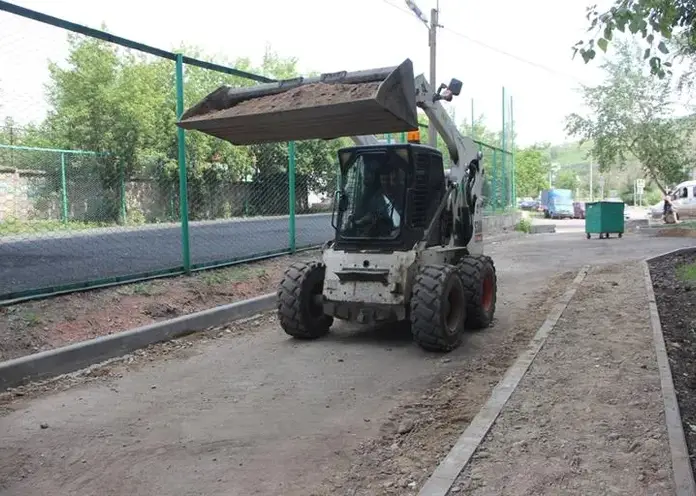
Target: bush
point(524, 225)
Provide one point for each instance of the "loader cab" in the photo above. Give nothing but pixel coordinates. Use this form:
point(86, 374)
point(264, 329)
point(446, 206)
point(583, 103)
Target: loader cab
point(386, 196)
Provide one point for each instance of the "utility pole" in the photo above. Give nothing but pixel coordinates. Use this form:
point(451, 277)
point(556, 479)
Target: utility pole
point(591, 183)
point(432, 26)
point(432, 133)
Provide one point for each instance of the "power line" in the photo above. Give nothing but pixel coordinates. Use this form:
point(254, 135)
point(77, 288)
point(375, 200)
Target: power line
point(492, 48)
point(512, 55)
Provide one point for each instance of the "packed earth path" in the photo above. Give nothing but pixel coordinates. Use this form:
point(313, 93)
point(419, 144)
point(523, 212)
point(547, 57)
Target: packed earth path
point(247, 411)
point(588, 416)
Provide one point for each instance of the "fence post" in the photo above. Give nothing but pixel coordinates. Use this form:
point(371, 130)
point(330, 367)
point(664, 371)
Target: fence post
point(291, 195)
point(122, 174)
point(513, 166)
point(63, 189)
point(503, 139)
point(183, 183)
point(494, 185)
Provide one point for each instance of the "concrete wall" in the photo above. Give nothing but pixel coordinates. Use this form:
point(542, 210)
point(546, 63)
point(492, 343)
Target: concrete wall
point(494, 224)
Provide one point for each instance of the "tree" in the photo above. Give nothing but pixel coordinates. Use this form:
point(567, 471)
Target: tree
point(630, 118)
point(532, 171)
point(655, 21)
point(566, 179)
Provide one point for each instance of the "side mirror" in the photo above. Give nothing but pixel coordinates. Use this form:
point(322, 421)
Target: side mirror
point(455, 86)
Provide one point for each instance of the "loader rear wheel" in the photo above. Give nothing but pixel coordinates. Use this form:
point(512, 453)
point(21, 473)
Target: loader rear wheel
point(438, 308)
point(481, 284)
point(300, 309)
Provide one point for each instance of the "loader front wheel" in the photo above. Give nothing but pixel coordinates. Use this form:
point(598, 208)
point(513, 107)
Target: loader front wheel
point(438, 308)
point(481, 284)
point(300, 309)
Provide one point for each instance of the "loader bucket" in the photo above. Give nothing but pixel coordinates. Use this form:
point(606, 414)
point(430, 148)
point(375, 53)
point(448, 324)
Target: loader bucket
point(328, 106)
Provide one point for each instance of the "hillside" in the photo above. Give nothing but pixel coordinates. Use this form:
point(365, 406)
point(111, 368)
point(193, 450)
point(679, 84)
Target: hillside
point(574, 157)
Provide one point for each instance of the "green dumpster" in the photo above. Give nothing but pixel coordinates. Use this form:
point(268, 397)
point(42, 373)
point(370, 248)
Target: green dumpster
point(604, 218)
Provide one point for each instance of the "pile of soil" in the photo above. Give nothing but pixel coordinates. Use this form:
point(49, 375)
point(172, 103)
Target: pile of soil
point(309, 95)
point(676, 303)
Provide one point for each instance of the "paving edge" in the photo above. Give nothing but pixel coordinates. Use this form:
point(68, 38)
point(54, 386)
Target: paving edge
point(51, 363)
point(681, 463)
point(442, 479)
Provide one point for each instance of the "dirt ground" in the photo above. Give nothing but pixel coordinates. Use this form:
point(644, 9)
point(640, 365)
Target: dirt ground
point(676, 304)
point(424, 427)
point(587, 418)
point(302, 96)
point(677, 232)
point(408, 425)
point(50, 323)
point(245, 410)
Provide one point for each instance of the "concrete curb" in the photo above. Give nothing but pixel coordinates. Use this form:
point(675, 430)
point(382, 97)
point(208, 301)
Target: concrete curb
point(448, 470)
point(51, 363)
point(681, 463)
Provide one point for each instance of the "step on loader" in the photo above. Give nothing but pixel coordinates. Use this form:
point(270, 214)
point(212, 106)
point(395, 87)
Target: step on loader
point(408, 242)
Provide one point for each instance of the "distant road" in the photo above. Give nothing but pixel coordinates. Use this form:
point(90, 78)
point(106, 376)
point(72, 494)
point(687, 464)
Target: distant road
point(89, 255)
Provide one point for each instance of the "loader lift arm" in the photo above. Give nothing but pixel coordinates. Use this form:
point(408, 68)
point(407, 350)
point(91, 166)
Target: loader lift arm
point(466, 175)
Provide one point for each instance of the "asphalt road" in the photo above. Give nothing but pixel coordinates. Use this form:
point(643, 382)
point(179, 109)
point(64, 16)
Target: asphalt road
point(83, 256)
point(257, 413)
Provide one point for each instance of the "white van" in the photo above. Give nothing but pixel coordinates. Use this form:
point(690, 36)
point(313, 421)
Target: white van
point(684, 200)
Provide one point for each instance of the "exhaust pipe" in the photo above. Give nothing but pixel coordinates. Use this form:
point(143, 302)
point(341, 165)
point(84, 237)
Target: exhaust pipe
point(328, 106)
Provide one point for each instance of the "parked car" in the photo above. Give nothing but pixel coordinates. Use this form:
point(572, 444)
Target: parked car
point(529, 204)
point(578, 210)
point(655, 211)
point(684, 200)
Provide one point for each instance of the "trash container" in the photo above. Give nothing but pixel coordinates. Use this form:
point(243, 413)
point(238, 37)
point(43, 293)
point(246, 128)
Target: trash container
point(604, 218)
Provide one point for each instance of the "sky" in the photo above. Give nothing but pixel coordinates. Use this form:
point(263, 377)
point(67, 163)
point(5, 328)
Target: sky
point(524, 46)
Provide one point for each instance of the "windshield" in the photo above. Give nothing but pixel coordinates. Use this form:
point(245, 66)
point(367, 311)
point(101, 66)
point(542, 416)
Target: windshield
point(372, 203)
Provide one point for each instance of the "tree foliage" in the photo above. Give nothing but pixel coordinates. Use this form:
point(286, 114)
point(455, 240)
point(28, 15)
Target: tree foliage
point(657, 22)
point(630, 117)
point(532, 171)
point(123, 104)
point(566, 179)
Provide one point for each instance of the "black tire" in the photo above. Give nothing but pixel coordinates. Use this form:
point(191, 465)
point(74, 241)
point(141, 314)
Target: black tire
point(620, 235)
point(299, 314)
point(589, 235)
point(481, 283)
point(438, 308)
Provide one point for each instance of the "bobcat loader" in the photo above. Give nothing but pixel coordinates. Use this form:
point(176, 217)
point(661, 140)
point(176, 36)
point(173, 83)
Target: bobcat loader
point(408, 242)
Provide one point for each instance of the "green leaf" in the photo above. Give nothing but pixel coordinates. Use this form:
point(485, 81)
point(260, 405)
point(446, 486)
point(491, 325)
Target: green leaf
point(608, 32)
point(650, 38)
point(646, 54)
point(587, 55)
point(662, 47)
point(602, 44)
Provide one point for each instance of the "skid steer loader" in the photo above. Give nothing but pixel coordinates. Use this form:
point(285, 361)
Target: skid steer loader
point(408, 242)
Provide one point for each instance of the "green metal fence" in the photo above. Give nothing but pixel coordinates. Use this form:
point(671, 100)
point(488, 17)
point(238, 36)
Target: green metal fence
point(107, 189)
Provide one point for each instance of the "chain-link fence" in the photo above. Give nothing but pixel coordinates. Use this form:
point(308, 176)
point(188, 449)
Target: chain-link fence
point(102, 187)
